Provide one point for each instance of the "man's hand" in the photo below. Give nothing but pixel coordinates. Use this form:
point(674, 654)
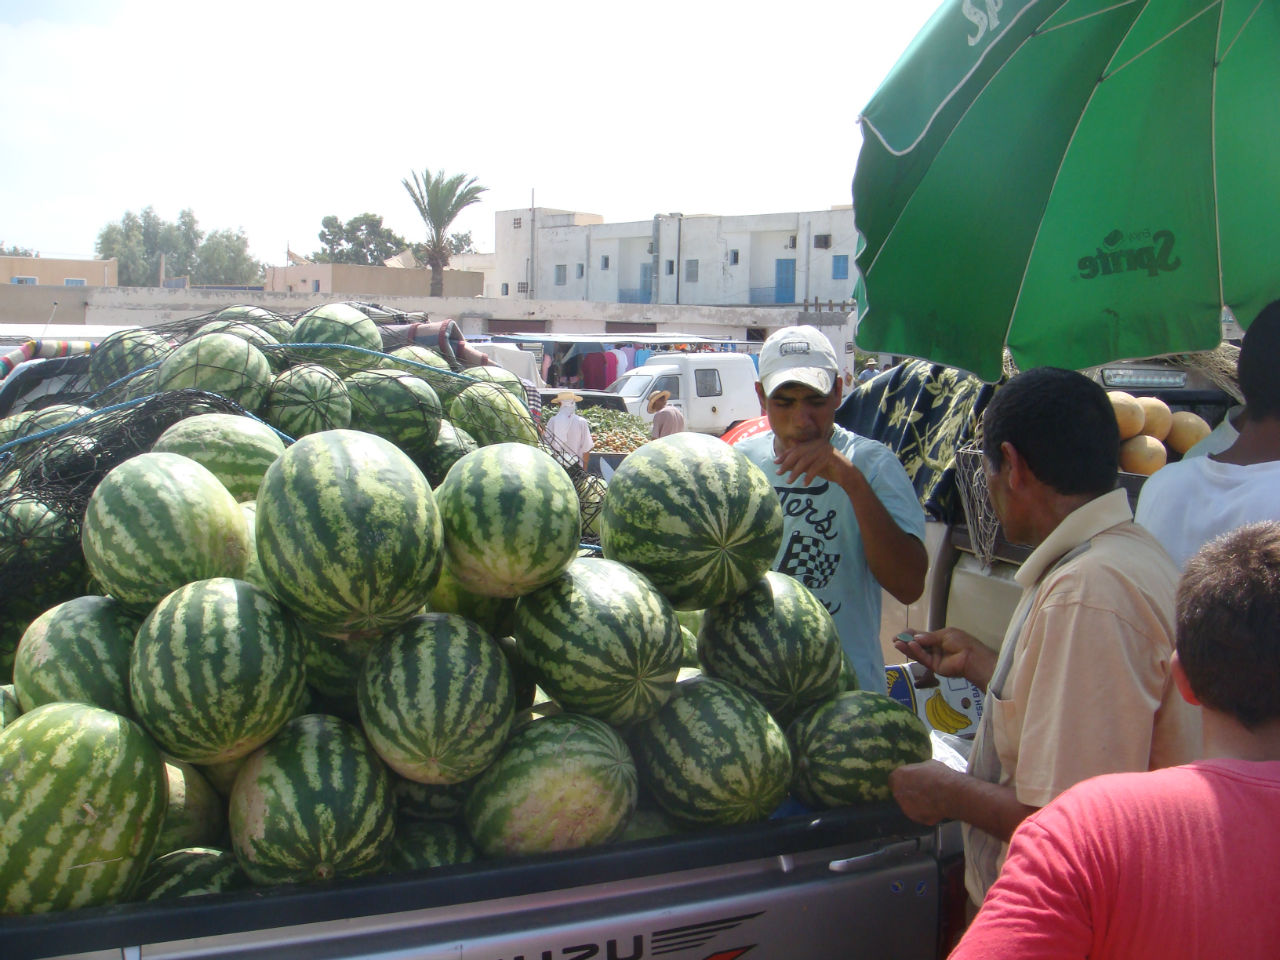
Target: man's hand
point(924, 790)
point(812, 459)
point(950, 652)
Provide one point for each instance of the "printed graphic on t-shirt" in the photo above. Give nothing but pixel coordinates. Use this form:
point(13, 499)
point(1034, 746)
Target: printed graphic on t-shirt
point(807, 560)
point(806, 556)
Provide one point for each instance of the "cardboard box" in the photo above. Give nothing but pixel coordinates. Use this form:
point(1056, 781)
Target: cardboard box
point(950, 706)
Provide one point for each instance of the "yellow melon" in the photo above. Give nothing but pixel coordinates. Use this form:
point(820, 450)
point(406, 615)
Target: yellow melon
point(1129, 415)
point(1142, 454)
point(1187, 430)
point(1157, 417)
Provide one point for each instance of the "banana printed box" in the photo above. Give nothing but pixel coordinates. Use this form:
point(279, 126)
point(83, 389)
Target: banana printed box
point(947, 704)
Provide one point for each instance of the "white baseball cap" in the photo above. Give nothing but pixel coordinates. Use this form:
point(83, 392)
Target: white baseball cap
point(798, 355)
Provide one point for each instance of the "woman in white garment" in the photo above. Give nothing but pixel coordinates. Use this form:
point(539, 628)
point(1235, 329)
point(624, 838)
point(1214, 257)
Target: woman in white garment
point(567, 432)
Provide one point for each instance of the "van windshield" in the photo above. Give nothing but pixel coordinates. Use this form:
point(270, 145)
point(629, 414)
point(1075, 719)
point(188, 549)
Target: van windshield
point(631, 385)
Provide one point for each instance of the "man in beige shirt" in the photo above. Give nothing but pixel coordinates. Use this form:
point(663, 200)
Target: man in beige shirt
point(1082, 683)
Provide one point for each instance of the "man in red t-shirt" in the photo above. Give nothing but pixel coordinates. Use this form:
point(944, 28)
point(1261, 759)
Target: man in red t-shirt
point(1171, 863)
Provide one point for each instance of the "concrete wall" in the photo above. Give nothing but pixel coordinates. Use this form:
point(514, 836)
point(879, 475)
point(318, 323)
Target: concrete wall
point(358, 280)
point(50, 271)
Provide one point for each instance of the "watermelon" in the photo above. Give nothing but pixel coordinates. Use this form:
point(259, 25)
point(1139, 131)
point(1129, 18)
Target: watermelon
point(648, 823)
point(428, 801)
point(222, 776)
point(713, 755)
point(436, 699)
point(81, 803)
point(268, 320)
point(252, 333)
point(522, 677)
point(313, 804)
point(51, 418)
point(451, 445)
point(563, 782)
point(397, 406)
point(237, 450)
point(219, 363)
point(689, 642)
point(307, 399)
point(693, 515)
point(38, 549)
point(414, 357)
point(348, 532)
point(426, 844)
point(777, 642)
point(158, 521)
point(502, 377)
point(191, 872)
point(71, 461)
point(122, 353)
point(510, 518)
point(601, 641)
point(334, 663)
point(492, 415)
point(846, 747)
point(352, 340)
point(77, 650)
point(216, 670)
point(11, 426)
point(10, 709)
point(195, 815)
point(252, 568)
point(496, 615)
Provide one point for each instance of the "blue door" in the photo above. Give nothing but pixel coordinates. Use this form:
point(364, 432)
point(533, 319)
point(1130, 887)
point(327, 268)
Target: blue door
point(646, 283)
point(784, 281)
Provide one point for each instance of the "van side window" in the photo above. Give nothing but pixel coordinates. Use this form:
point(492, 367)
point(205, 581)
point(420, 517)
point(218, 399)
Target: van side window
point(707, 383)
point(671, 383)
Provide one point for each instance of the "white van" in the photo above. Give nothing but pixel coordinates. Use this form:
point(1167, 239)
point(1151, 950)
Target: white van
point(714, 391)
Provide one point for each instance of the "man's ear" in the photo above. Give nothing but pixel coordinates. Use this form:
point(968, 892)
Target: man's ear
point(1019, 473)
point(760, 395)
point(1180, 678)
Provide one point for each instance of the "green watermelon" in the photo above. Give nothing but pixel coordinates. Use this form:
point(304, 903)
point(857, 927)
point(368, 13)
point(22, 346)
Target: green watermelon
point(436, 699)
point(216, 670)
point(158, 521)
point(522, 677)
point(220, 363)
point(237, 450)
point(648, 823)
point(693, 515)
point(428, 801)
point(492, 415)
point(268, 320)
point(250, 332)
point(39, 548)
point(122, 353)
point(81, 803)
point(689, 641)
point(451, 445)
point(713, 755)
point(502, 377)
point(563, 782)
point(334, 664)
point(11, 426)
point(397, 406)
point(50, 418)
point(10, 709)
point(414, 357)
point(313, 804)
point(348, 532)
point(496, 615)
point(777, 642)
point(195, 815)
point(222, 776)
point(425, 844)
point(191, 872)
point(307, 399)
point(352, 340)
point(77, 650)
point(511, 522)
point(252, 568)
point(601, 641)
point(846, 747)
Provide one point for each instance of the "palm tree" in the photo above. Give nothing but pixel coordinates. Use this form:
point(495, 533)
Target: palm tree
point(439, 200)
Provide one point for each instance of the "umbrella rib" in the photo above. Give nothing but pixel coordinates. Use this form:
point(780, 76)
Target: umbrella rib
point(1247, 20)
point(1151, 46)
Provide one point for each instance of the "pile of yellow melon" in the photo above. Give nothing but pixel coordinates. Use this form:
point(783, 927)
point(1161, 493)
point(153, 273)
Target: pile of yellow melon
point(1149, 430)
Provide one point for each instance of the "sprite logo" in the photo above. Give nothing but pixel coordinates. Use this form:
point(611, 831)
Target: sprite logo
point(1154, 256)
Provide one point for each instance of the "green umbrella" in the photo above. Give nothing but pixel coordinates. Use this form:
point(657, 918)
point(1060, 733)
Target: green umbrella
point(1082, 181)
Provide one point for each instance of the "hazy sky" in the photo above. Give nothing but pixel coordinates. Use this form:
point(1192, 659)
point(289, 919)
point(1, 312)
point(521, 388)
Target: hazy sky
point(268, 116)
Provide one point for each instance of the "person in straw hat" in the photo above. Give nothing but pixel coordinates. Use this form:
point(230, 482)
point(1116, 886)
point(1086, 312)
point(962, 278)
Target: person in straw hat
point(666, 420)
point(567, 432)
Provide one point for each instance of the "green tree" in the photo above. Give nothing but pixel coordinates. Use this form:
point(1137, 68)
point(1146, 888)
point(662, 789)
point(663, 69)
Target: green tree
point(8, 251)
point(361, 239)
point(439, 199)
point(138, 242)
point(224, 259)
point(461, 243)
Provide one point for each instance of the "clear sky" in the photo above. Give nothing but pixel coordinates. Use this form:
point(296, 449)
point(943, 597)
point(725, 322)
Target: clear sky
point(267, 116)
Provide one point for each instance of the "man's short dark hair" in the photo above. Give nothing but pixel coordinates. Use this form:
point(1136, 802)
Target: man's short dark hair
point(1256, 368)
point(1229, 623)
point(1062, 424)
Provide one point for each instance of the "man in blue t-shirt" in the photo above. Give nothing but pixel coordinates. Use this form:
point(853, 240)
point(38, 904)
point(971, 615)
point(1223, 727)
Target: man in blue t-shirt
point(851, 520)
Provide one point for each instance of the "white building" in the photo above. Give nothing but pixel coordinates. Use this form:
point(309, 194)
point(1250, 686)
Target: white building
point(760, 259)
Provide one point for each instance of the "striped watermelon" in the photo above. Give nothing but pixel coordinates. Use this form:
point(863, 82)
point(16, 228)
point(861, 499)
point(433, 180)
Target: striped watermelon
point(777, 642)
point(222, 776)
point(191, 872)
point(354, 340)
point(252, 568)
point(334, 663)
point(502, 377)
point(492, 415)
point(713, 755)
point(496, 615)
point(307, 399)
point(81, 802)
point(846, 747)
point(279, 327)
point(313, 804)
point(426, 844)
point(237, 450)
point(397, 406)
point(219, 363)
point(436, 699)
point(10, 709)
point(601, 641)
point(39, 543)
point(511, 519)
point(348, 532)
point(122, 353)
point(648, 822)
point(451, 445)
point(428, 801)
point(250, 332)
point(77, 650)
point(563, 782)
point(216, 670)
point(50, 418)
point(413, 357)
point(158, 521)
point(693, 515)
point(195, 815)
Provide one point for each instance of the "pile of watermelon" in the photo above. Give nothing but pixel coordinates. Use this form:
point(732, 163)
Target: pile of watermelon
point(374, 642)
